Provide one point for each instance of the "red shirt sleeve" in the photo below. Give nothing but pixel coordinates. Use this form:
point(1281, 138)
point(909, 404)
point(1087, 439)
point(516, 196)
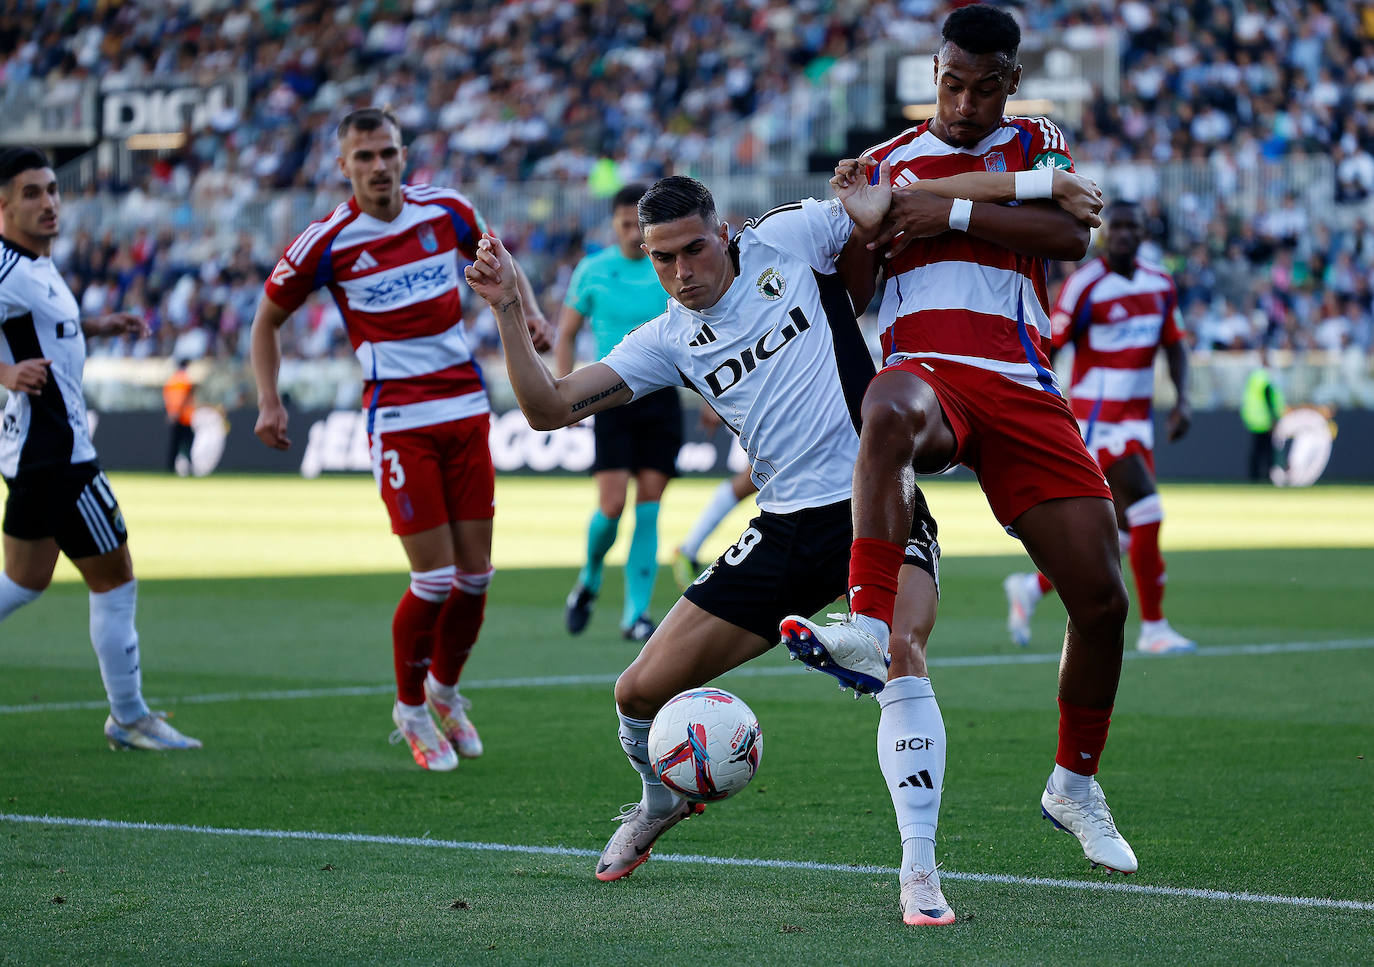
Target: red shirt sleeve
point(297, 273)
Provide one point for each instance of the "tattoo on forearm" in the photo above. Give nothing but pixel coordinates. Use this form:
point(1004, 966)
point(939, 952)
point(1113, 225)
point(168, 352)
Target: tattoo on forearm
point(583, 404)
point(508, 305)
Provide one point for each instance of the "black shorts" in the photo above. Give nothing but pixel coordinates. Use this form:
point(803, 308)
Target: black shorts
point(796, 563)
point(644, 434)
point(74, 504)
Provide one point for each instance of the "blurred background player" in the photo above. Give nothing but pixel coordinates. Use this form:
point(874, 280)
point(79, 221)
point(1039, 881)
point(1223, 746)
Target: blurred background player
point(179, 400)
point(616, 290)
point(1260, 409)
point(966, 381)
point(724, 498)
point(59, 499)
point(1118, 312)
point(391, 256)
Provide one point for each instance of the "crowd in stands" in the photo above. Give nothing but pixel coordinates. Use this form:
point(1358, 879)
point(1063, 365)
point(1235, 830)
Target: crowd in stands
point(601, 93)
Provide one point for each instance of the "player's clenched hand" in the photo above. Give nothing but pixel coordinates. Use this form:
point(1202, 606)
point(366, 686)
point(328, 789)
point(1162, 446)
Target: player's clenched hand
point(271, 425)
point(541, 334)
point(1180, 419)
point(492, 275)
point(121, 324)
point(866, 204)
point(1079, 196)
point(912, 215)
point(29, 376)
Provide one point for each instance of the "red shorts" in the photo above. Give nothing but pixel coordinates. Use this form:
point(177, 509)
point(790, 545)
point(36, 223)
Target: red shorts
point(1023, 444)
point(432, 475)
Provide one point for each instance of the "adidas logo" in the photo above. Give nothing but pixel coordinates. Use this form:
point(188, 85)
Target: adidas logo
point(703, 338)
point(921, 781)
point(1117, 311)
point(364, 262)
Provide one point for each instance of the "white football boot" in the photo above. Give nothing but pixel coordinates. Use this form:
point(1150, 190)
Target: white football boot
point(1160, 639)
point(631, 844)
point(1020, 607)
point(841, 649)
point(923, 904)
point(1091, 822)
point(454, 722)
point(150, 732)
point(428, 748)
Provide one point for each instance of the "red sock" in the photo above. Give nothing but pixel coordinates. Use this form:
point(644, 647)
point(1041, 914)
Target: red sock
point(1045, 586)
point(412, 640)
point(873, 569)
point(1082, 737)
point(1148, 566)
point(455, 632)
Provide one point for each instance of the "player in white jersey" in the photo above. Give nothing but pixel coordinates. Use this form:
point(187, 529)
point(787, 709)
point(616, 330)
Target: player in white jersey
point(763, 329)
point(59, 499)
point(390, 257)
point(1118, 312)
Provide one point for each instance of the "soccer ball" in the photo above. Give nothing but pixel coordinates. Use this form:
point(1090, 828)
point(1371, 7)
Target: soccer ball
point(705, 744)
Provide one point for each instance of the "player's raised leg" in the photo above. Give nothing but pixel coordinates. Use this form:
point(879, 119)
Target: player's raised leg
point(911, 747)
point(688, 649)
point(1087, 573)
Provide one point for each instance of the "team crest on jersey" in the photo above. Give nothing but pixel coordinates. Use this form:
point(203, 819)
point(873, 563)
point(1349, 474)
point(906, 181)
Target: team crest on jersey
point(771, 284)
point(995, 161)
point(427, 239)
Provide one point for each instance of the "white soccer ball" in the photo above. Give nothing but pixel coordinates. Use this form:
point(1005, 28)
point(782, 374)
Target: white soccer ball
point(705, 744)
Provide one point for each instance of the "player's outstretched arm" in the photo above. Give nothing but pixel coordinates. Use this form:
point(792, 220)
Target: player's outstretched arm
point(116, 324)
point(547, 403)
point(266, 356)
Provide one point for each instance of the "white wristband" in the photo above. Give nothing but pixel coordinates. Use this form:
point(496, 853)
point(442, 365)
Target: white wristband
point(959, 213)
point(1035, 184)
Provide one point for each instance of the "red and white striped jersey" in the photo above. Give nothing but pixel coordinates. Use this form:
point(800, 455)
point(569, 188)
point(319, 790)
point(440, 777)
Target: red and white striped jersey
point(397, 285)
point(958, 297)
point(1116, 324)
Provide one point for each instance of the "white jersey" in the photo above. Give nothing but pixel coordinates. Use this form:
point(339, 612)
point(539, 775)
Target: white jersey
point(40, 319)
point(779, 357)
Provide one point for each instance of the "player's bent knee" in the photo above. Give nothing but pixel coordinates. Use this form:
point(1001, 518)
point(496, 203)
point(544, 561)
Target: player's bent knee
point(473, 582)
point(1102, 612)
point(433, 586)
point(629, 697)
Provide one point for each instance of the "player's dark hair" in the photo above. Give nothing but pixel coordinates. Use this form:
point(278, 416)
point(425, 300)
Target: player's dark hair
point(674, 197)
point(1117, 205)
point(367, 119)
point(17, 160)
point(629, 195)
point(981, 29)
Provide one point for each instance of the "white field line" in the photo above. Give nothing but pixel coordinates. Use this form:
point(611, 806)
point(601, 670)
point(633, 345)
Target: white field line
point(748, 671)
point(804, 865)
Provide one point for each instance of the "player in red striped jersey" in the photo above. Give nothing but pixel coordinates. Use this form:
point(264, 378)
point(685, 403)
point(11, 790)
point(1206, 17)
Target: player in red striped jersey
point(391, 257)
point(967, 380)
point(1118, 312)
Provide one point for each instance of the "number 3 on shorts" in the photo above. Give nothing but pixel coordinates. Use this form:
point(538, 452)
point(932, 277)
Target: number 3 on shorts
point(397, 476)
point(746, 543)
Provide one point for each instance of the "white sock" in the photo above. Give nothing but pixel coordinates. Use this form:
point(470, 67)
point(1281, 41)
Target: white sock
point(1153, 627)
point(875, 627)
point(412, 712)
point(447, 694)
point(722, 501)
point(911, 754)
point(14, 596)
point(1074, 785)
point(1031, 583)
point(116, 649)
point(634, 739)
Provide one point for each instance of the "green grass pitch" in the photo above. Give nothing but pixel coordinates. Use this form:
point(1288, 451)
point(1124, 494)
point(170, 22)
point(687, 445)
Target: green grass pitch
point(264, 614)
